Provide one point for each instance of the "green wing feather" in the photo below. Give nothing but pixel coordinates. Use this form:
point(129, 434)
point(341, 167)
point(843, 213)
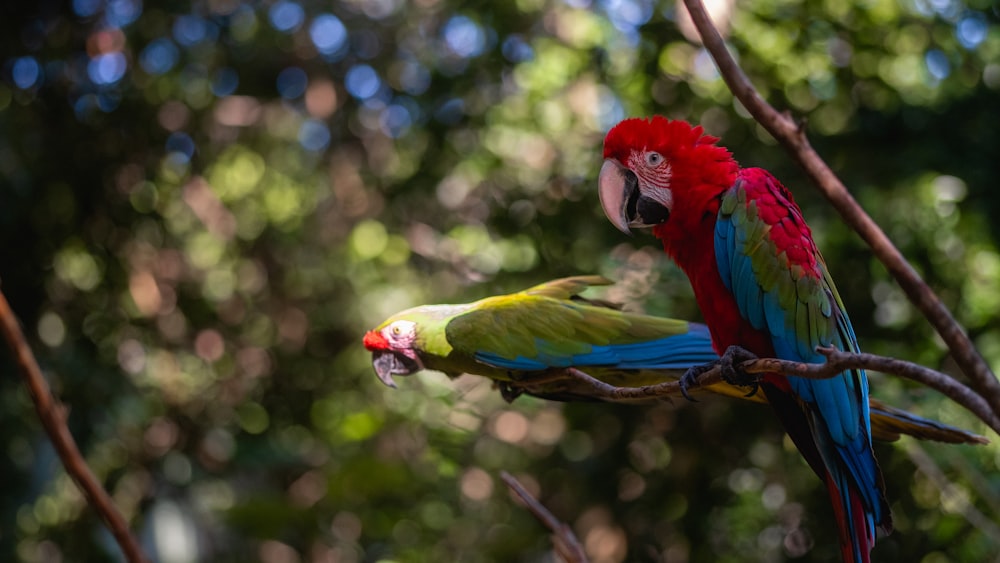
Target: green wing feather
point(543, 319)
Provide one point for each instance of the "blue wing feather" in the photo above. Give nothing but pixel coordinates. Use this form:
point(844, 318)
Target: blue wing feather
point(839, 405)
point(680, 351)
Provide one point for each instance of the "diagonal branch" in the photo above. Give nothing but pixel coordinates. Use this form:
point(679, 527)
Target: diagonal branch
point(53, 418)
point(837, 362)
point(793, 137)
point(951, 496)
point(564, 540)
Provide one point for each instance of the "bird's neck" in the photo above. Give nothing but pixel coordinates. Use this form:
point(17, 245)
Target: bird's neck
point(688, 238)
point(688, 235)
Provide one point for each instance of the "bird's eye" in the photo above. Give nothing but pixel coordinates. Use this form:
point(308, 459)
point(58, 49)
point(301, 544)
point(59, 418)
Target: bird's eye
point(653, 159)
point(400, 330)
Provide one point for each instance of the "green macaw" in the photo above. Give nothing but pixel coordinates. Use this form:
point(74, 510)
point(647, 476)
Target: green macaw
point(525, 340)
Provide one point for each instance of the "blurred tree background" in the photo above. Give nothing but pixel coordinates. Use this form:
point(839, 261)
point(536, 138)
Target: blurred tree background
point(204, 205)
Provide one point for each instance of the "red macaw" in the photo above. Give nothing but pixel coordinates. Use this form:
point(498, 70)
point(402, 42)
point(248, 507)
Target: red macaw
point(763, 289)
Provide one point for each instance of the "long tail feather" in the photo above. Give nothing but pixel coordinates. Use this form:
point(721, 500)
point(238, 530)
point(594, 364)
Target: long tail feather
point(856, 529)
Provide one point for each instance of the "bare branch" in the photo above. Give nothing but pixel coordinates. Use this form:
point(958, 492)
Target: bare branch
point(837, 362)
point(792, 136)
point(951, 496)
point(566, 544)
point(53, 418)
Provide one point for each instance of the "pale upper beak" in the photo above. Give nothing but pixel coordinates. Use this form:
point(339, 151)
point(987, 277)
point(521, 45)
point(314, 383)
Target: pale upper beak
point(623, 201)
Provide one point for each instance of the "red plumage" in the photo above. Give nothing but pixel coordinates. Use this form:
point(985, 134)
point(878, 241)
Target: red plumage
point(702, 170)
point(374, 341)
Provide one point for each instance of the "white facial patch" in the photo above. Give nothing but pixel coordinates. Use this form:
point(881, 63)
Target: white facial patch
point(654, 173)
point(401, 333)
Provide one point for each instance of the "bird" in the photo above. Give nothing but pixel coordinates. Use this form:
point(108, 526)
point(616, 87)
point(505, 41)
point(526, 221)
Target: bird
point(543, 328)
point(520, 339)
point(763, 289)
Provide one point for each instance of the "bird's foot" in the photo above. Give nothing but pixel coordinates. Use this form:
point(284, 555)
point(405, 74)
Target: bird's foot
point(690, 378)
point(731, 365)
point(509, 392)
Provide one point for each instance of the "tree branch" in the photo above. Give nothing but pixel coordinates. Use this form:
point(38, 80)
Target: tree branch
point(793, 137)
point(53, 418)
point(564, 540)
point(837, 362)
point(949, 493)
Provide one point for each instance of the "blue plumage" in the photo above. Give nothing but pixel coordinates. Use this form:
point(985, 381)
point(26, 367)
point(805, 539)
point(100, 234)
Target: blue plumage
point(798, 309)
point(673, 352)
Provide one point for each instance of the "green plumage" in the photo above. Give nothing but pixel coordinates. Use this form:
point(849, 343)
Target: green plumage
point(549, 318)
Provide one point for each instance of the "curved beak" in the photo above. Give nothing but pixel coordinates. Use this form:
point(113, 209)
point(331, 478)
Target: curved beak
point(623, 201)
point(616, 186)
point(387, 364)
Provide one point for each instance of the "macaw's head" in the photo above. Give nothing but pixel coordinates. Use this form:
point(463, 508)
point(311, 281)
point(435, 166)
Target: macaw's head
point(655, 169)
point(394, 349)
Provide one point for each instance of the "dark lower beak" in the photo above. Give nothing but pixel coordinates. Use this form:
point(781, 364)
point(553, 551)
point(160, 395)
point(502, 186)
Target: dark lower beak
point(387, 364)
point(623, 202)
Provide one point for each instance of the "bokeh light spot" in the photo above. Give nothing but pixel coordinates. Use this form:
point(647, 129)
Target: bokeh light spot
point(107, 68)
point(476, 484)
point(131, 356)
point(25, 72)
point(87, 8)
point(209, 345)
point(515, 49)
point(159, 56)
point(328, 34)
point(971, 30)
point(937, 64)
point(190, 29)
point(321, 99)
point(253, 418)
point(511, 427)
point(627, 15)
point(145, 293)
point(362, 82)
point(76, 266)
point(286, 16)
point(379, 9)
point(314, 135)
point(182, 144)
point(464, 37)
point(359, 426)
point(51, 329)
point(120, 13)
point(369, 239)
point(395, 121)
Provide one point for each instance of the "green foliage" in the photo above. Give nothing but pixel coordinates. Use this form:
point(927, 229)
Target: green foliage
point(205, 205)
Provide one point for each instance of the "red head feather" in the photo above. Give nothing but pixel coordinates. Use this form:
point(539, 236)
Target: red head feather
point(656, 133)
point(374, 341)
point(698, 171)
point(695, 159)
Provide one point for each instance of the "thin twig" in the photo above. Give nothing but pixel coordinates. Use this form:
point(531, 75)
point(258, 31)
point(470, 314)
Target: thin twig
point(793, 137)
point(566, 544)
point(837, 362)
point(53, 418)
point(950, 494)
